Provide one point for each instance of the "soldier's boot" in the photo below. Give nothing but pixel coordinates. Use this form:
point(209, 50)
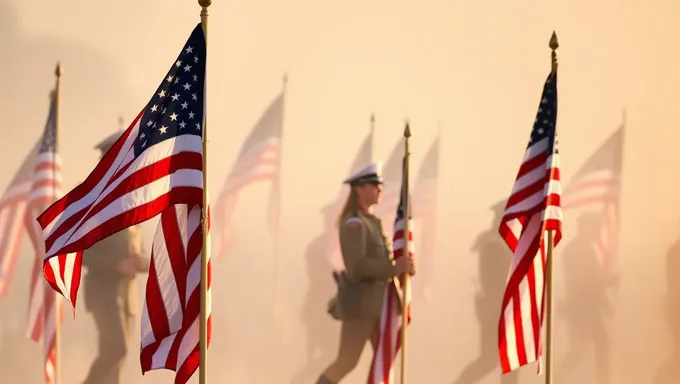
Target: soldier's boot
point(323, 380)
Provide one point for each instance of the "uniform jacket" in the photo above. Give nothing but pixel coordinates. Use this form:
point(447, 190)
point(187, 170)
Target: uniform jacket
point(367, 253)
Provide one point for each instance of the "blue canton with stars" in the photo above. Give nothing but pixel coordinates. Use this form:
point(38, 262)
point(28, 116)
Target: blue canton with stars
point(177, 106)
point(546, 118)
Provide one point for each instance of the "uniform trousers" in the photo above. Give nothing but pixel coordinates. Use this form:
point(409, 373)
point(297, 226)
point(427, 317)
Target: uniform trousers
point(353, 337)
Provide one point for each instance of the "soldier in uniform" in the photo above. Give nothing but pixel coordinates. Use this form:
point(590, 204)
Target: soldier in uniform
point(586, 303)
point(110, 293)
point(494, 263)
point(367, 253)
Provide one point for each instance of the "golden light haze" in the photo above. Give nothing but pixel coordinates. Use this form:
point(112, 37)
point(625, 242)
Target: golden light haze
point(473, 69)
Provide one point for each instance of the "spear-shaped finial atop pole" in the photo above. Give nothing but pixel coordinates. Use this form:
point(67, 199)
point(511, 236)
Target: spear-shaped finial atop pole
point(57, 70)
point(554, 44)
point(407, 130)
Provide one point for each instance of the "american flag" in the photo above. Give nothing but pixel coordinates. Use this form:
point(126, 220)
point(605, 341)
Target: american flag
point(258, 160)
point(45, 190)
point(12, 212)
point(597, 185)
point(363, 157)
point(389, 337)
point(155, 167)
point(533, 208)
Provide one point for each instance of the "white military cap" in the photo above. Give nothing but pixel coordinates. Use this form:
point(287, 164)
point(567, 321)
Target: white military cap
point(370, 174)
point(108, 142)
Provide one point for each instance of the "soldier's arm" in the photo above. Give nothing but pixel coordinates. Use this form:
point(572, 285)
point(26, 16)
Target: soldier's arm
point(133, 237)
point(353, 242)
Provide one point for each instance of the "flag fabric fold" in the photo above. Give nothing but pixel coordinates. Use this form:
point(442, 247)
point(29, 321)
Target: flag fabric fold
point(155, 167)
point(533, 208)
point(389, 334)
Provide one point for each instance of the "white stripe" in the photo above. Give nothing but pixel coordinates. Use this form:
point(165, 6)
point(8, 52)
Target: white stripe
point(532, 177)
point(194, 273)
point(189, 342)
point(14, 191)
point(159, 358)
point(48, 157)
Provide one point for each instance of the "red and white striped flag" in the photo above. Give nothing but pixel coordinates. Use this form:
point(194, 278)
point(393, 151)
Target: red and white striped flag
point(170, 319)
point(389, 337)
point(258, 160)
point(533, 208)
point(597, 185)
point(46, 189)
point(12, 212)
point(155, 167)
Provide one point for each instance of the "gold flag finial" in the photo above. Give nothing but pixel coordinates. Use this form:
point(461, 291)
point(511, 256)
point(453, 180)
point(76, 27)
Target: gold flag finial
point(57, 70)
point(204, 3)
point(120, 122)
point(554, 44)
point(407, 130)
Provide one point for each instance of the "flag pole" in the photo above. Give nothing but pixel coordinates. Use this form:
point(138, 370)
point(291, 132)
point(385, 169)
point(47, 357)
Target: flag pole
point(554, 44)
point(406, 250)
point(203, 317)
point(57, 300)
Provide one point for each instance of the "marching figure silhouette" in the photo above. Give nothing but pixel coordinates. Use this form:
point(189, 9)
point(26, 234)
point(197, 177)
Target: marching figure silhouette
point(586, 307)
point(321, 330)
point(494, 264)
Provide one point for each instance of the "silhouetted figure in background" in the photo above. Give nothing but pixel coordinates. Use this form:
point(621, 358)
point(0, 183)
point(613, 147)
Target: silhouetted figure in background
point(669, 372)
point(586, 305)
point(91, 82)
point(110, 290)
point(494, 264)
point(321, 330)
